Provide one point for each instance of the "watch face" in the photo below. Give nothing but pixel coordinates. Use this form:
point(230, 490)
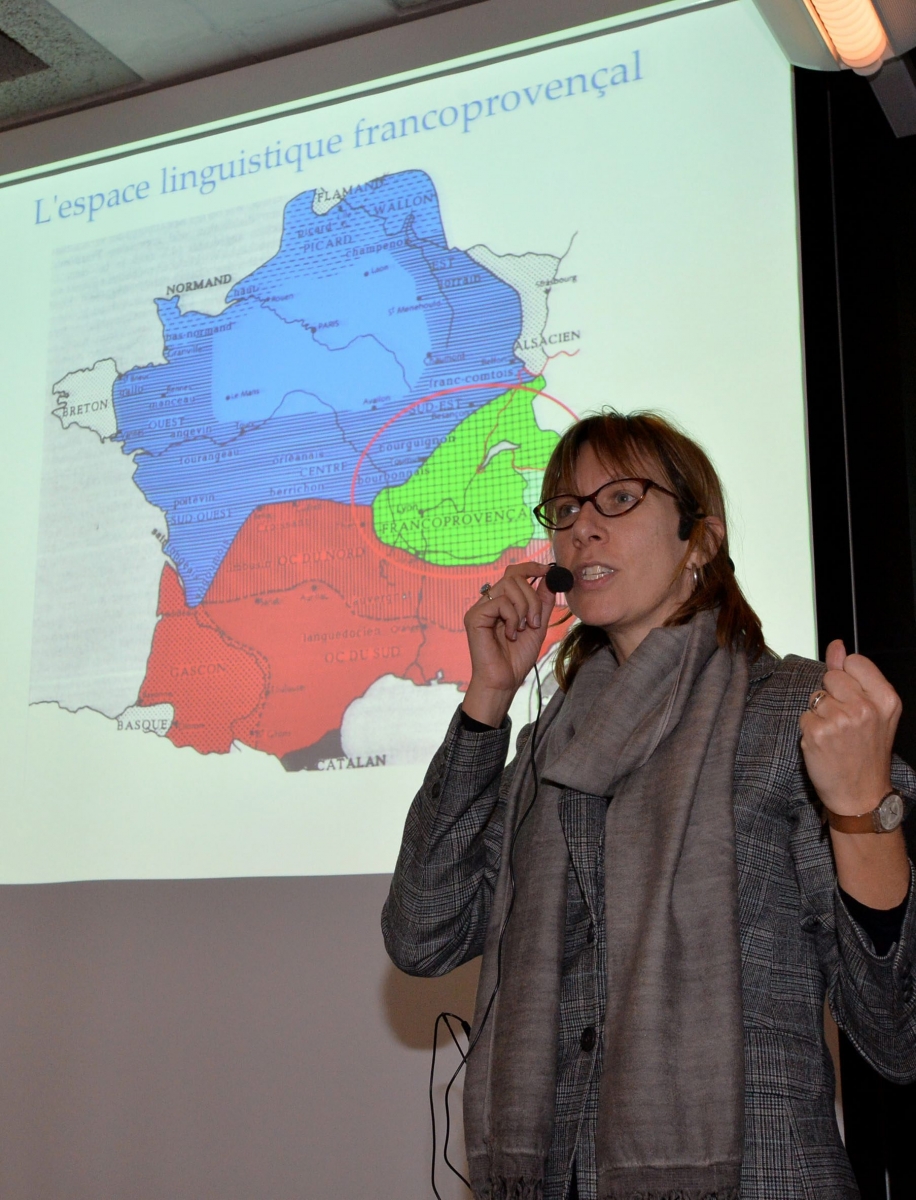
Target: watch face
point(890, 812)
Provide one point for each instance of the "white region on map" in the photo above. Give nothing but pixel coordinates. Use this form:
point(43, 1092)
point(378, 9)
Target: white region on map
point(97, 580)
point(325, 200)
point(564, 340)
point(399, 721)
point(156, 718)
point(117, 280)
point(84, 398)
point(497, 449)
point(530, 275)
point(550, 415)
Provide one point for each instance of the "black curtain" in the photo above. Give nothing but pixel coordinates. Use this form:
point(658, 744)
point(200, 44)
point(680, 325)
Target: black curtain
point(857, 212)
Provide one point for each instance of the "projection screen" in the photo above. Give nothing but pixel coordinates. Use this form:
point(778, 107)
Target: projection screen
point(279, 393)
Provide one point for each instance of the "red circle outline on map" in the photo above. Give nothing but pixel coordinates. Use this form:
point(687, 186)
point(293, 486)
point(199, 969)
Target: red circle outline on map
point(433, 568)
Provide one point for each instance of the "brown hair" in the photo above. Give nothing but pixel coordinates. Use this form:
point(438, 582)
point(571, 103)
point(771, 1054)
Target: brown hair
point(635, 443)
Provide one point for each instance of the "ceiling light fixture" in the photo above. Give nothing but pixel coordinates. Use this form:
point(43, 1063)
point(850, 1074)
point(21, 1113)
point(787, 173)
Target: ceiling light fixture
point(855, 31)
point(872, 37)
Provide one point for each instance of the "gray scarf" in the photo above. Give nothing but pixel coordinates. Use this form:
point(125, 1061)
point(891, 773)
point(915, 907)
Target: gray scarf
point(659, 734)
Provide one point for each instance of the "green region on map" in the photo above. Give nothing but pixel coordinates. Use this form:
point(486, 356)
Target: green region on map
point(472, 498)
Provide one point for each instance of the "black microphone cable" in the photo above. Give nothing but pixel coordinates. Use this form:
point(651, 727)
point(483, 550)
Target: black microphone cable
point(444, 1016)
point(557, 579)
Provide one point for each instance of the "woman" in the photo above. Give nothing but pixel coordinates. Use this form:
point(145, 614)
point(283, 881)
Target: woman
point(668, 878)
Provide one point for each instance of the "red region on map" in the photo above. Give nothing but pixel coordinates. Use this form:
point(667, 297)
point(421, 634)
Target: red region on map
point(307, 610)
point(209, 681)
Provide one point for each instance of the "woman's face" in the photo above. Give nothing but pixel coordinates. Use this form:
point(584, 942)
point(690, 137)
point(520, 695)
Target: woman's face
point(629, 572)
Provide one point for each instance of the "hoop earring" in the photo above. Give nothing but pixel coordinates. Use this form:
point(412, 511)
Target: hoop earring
point(696, 578)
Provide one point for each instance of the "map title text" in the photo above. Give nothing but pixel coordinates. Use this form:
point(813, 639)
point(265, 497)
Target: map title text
point(295, 156)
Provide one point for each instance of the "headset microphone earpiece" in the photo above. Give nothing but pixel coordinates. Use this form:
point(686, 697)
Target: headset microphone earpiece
point(559, 579)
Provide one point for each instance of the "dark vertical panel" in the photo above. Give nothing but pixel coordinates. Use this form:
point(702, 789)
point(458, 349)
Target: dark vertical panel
point(857, 200)
point(823, 363)
point(858, 223)
point(875, 222)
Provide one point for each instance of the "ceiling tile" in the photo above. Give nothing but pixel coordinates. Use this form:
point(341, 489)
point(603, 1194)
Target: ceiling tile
point(171, 38)
point(78, 66)
point(158, 40)
point(272, 31)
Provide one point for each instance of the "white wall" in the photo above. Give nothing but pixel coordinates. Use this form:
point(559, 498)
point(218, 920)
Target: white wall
point(239, 1039)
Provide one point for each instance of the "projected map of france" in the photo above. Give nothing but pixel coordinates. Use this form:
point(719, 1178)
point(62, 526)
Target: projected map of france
point(339, 456)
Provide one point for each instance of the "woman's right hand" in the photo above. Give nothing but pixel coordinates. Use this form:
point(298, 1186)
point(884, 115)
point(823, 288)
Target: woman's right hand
point(506, 630)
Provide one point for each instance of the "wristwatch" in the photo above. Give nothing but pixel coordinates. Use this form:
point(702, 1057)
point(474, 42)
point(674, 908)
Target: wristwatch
point(884, 818)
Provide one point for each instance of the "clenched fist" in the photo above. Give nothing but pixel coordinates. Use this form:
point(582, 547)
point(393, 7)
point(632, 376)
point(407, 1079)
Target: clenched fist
point(847, 739)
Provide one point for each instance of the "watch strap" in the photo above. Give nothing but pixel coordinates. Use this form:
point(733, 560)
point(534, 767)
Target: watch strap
point(869, 822)
point(866, 823)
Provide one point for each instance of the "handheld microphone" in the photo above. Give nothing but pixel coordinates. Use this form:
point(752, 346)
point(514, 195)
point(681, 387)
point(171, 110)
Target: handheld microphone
point(559, 579)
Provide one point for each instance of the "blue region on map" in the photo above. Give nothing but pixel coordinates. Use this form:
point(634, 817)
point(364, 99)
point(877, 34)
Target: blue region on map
point(364, 311)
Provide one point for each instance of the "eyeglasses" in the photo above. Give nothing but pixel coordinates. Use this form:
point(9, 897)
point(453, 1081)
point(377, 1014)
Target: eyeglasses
point(613, 499)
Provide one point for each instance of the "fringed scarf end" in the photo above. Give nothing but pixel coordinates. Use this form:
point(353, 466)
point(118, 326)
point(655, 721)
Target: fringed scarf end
point(514, 1189)
point(677, 1194)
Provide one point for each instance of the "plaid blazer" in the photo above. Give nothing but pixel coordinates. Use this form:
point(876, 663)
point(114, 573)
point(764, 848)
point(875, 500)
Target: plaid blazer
point(798, 940)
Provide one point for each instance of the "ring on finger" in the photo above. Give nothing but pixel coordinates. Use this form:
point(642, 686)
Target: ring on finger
point(485, 589)
point(816, 698)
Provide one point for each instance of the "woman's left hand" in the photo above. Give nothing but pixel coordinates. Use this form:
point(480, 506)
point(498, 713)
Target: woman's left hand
point(848, 738)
